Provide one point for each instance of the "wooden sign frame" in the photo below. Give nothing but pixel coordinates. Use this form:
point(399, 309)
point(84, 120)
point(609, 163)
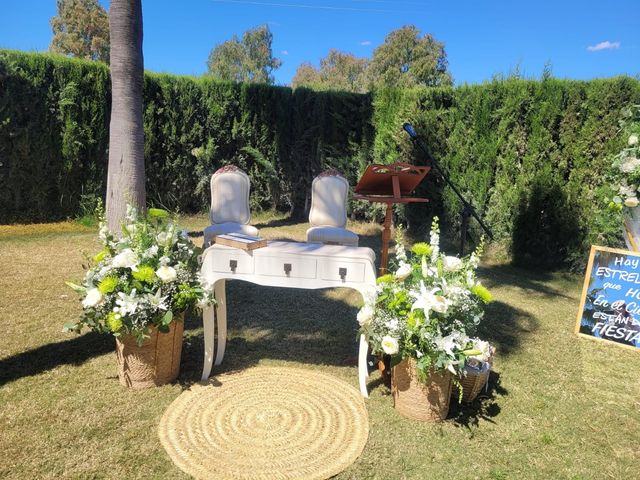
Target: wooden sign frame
point(585, 291)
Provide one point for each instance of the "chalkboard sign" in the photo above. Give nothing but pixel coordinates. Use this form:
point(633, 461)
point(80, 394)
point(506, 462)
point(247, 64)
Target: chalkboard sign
point(610, 303)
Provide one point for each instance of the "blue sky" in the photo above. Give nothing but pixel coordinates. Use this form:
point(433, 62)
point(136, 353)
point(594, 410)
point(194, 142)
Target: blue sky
point(581, 39)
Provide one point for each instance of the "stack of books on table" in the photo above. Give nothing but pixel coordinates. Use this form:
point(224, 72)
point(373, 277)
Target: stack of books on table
point(241, 241)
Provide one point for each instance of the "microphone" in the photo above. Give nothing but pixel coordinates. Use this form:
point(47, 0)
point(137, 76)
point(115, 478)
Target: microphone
point(410, 130)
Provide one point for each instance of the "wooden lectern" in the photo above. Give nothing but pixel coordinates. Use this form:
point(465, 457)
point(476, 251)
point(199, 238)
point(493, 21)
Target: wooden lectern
point(390, 184)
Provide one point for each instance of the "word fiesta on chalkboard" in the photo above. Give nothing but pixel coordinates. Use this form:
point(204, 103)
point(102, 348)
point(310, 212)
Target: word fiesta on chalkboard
point(610, 302)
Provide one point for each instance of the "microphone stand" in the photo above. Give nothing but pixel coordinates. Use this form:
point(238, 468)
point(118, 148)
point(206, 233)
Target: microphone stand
point(467, 209)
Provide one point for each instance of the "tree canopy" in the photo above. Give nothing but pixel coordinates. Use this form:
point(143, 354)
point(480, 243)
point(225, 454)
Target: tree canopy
point(338, 71)
point(248, 60)
point(81, 29)
point(406, 59)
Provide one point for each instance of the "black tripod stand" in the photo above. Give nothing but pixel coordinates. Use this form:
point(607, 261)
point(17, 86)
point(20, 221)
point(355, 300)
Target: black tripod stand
point(467, 209)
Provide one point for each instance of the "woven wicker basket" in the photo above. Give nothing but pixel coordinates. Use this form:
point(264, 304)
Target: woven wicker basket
point(474, 380)
point(156, 362)
point(428, 402)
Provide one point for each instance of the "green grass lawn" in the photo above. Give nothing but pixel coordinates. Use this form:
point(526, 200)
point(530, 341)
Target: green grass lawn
point(558, 406)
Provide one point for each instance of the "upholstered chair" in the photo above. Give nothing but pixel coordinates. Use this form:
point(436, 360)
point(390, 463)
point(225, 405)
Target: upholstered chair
point(328, 214)
point(229, 204)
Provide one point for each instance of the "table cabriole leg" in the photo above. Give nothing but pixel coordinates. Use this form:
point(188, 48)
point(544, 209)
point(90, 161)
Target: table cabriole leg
point(221, 319)
point(362, 366)
point(208, 321)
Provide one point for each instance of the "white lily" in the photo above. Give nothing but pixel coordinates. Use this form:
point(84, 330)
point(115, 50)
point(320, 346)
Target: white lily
point(427, 300)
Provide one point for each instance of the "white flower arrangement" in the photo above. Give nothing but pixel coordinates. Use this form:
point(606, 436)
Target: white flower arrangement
point(624, 176)
point(426, 308)
point(145, 278)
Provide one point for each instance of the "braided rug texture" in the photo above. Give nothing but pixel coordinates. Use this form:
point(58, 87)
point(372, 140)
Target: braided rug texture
point(266, 423)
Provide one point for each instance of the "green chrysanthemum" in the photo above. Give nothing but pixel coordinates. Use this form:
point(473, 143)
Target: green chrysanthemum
point(482, 293)
point(388, 278)
point(100, 255)
point(421, 249)
point(145, 274)
point(114, 322)
point(108, 284)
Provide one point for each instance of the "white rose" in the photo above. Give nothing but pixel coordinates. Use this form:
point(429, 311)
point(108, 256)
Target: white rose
point(403, 271)
point(630, 165)
point(163, 238)
point(631, 202)
point(390, 345)
point(451, 264)
point(94, 297)
point(439, 304)
point(365, 315)
point(127, 258)
point(166, 274)
point(633, 140)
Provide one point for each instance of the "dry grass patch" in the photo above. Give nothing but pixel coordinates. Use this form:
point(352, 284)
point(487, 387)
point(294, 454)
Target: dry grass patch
point(559, 406)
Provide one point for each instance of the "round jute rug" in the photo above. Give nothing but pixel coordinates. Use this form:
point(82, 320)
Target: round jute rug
point(266, 423)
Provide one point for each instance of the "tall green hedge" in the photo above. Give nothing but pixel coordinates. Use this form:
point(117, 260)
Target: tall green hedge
point(531, 155)
point(54, 128)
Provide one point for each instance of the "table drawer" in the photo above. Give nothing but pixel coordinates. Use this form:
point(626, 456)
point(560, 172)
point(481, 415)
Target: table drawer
point(236, 262)
point(341, 271)
point(286, 267)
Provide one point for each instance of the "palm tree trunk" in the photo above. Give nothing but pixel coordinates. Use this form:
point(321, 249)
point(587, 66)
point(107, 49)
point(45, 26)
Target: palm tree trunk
point(125, 180)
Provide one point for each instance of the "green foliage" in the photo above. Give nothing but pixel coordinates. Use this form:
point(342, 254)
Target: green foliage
point(81, 29)
point(532, 156)
point(54, 128)
point(249, 60)
point(406, 59)
point(338, 71)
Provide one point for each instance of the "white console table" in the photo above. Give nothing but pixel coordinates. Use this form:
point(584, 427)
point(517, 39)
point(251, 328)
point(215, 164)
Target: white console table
point(283, 264)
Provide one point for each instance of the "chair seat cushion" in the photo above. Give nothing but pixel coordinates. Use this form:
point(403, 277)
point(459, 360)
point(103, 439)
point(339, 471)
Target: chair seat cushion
point(335, 235)
point(224, 228)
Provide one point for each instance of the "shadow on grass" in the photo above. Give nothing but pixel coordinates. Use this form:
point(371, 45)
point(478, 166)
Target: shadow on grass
point(506, 327)
point(75, 352)
point(307, 326)
point(530, 280)
point(484, 407)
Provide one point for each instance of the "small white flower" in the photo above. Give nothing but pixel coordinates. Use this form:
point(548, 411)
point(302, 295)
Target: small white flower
point(365, 315)
point(404, 270)
point(631, 202)
point(370, 296)
point(132, 228)
point(127, 258)
point(151, 251)
point(166, 273)
point(451, 264)
point(630, 165)
point(390, 345)
point(94, 297)
point(633, 140)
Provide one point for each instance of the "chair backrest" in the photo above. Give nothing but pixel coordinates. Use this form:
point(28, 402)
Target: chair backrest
point(329, 200)
point(230, 196)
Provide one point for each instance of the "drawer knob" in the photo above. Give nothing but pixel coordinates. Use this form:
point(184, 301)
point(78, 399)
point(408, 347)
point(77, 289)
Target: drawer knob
point(287, 268)
point(233, 264)
point(343, 273)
